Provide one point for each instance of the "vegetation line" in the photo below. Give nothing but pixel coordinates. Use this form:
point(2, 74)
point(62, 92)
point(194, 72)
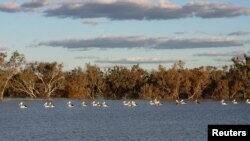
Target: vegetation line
point(46, 80)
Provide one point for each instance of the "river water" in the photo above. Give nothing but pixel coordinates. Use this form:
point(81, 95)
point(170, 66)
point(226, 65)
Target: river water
point(168, 122)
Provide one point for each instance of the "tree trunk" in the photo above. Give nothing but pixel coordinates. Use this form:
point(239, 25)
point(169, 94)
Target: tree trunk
point(2, 92)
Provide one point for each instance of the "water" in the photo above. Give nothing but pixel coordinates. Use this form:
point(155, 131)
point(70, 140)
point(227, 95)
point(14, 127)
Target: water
point(169, 122)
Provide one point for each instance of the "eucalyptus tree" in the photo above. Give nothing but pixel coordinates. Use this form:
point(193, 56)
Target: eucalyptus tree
point(76, 84)
point(50, 77)
point(239, 76)
point(8, 68)
point(117, 82)
point(95, 80)
point(25, 82)
point(139, 77)
point(219, 83)
point(200, 79)
point(168, 82)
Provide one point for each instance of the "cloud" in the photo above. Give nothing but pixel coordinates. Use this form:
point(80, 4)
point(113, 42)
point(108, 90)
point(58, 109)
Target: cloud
point(216, 10)
point(29, 5)
point(180, 33)
point(10, 7)
point(224, 54)
point(137, 42)
point(199, 43)
point(103, 42)
point(238, 33)
point(200, 32)
point(136, 60)
point(127, 9)
point(223, 57)
point(145, 10)
point(35, 3)
point(94, 22)
point(223, 60)
point(3, 48)
point(87, 57)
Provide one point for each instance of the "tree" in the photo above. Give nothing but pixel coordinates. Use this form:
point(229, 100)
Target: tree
point(239, 76)
point(200, 79)
point(9, 68)
point(50, 77)
point(116, 79)
point(95, 80)
point(76, 85)
point(25, 82)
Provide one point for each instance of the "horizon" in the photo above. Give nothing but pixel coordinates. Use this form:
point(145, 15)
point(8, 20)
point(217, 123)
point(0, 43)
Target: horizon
point(104, 33)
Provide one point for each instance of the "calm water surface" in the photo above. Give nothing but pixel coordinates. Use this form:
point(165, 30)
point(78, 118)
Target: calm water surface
point(169, 122)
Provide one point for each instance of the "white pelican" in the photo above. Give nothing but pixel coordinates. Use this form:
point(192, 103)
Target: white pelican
point(133, 103)
point(46, 105)
point(22, 105)
point(157, 102)
point(151, 103)
point(51, 105)
point(247, 101)
point(130, 104)
point(70, 105)
point(177, 101)
point(182, 102)
point(84, 104)
point(234, 101)
point(125, 103)
point(223, 102)
point(104, 104)
point(96, 104)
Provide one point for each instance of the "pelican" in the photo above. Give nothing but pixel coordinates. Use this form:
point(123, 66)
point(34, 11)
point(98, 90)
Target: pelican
point(151, 103)
point(182, 102)
point(223, 102)
point(84, 104)
point(247, 101)
point(133, 103)
point(70, 105)
point(46, 105)
point(51, 105)
point(96, 104)
point(234, 101)
point(125, 103)
point(177, 101)
point(22, 105)
point(157, 102)
point(104, 104)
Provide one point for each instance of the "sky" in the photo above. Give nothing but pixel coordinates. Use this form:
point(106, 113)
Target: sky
point(126, 32)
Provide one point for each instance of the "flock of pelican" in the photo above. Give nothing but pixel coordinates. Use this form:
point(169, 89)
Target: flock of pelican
point(233, 101)
point(130, 103)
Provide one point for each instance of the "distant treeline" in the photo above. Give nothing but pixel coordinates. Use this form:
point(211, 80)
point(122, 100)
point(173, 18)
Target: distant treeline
point(46, 80)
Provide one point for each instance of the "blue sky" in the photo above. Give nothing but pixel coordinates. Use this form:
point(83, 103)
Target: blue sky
point(125, 32)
